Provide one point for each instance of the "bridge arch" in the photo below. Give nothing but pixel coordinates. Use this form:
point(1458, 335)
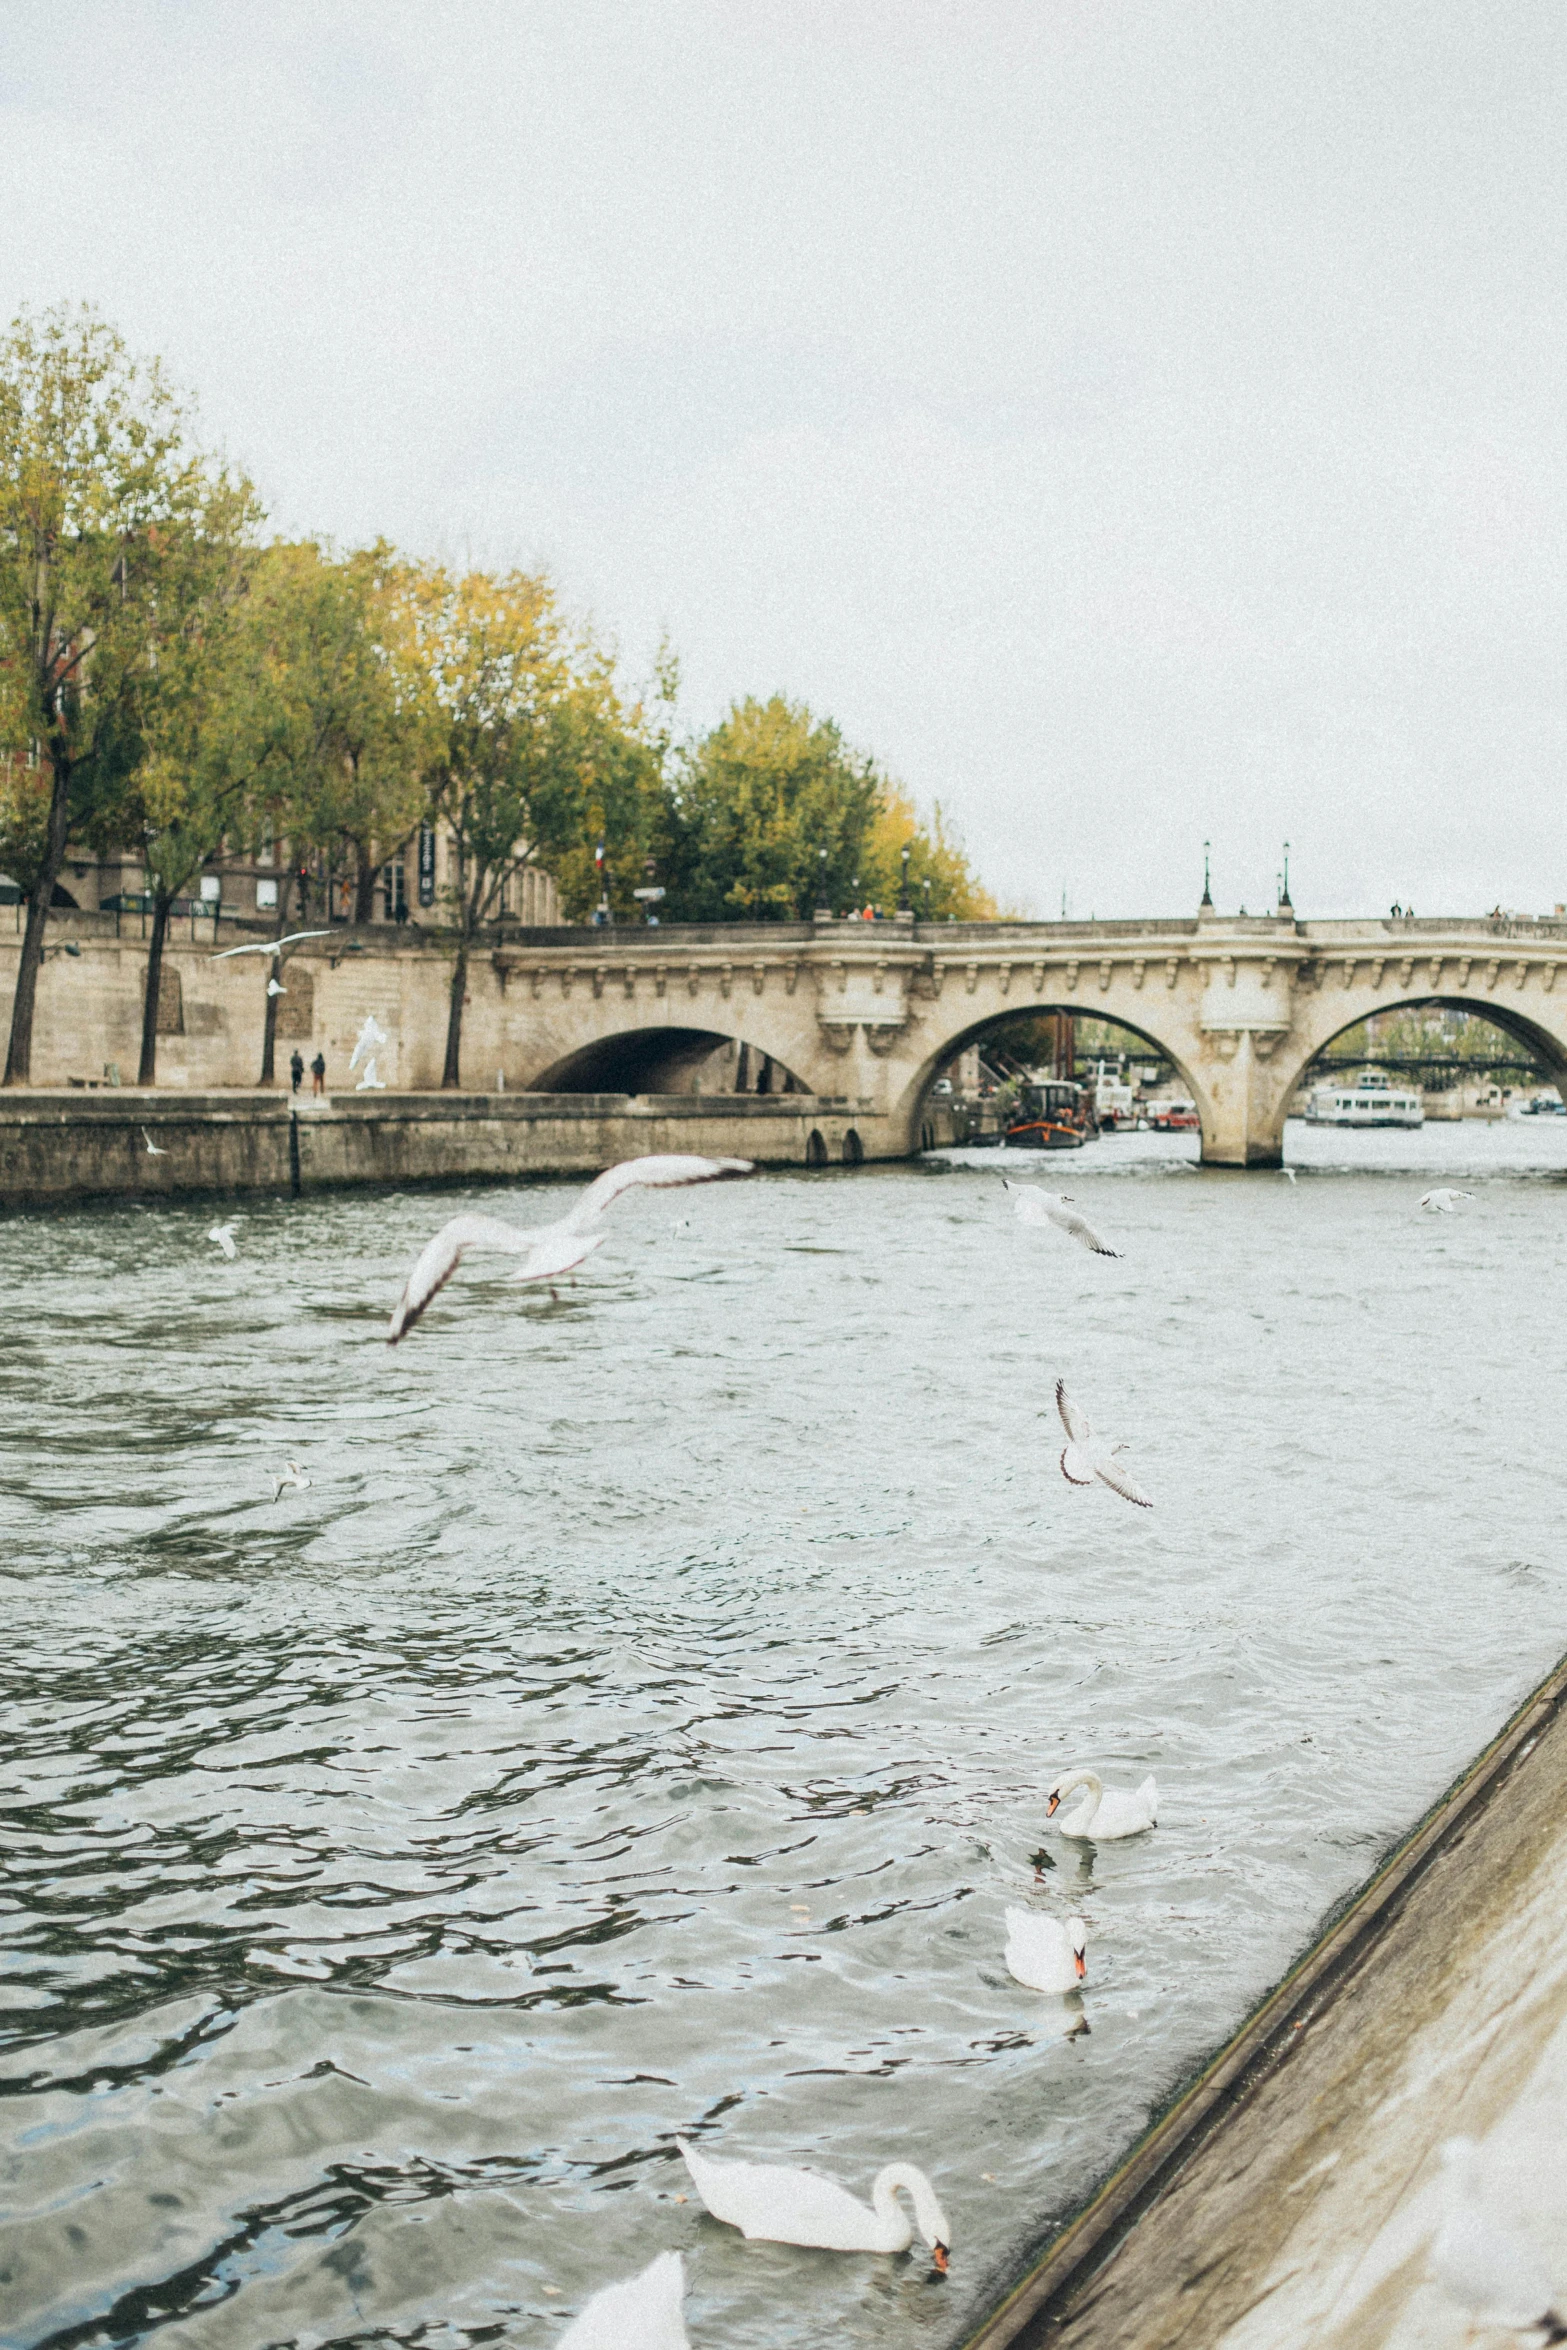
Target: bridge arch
point(662, 1058)
point(1545, 1037)
point(911, 1106)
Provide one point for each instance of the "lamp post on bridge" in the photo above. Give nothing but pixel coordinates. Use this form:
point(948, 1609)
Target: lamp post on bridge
point(905, 903)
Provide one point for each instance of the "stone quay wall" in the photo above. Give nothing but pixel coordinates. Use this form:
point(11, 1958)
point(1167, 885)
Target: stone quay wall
point(58, 1146)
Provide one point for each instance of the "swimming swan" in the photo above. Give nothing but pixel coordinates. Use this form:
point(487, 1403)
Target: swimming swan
point(783, 2206)
point(1100, 1816)
point(640, 2313)
point(1043, 1953)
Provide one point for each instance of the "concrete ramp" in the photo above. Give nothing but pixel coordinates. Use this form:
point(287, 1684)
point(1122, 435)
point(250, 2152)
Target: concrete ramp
point(1289, 2197)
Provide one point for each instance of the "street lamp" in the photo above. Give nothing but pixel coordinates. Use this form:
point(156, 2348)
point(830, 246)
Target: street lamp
point(904, 904)
point(1284, 901)
point(822, 905)
point(1207, 893)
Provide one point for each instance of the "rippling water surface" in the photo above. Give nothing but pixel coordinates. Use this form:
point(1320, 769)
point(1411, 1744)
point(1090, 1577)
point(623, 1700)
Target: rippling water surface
point(642, 1722)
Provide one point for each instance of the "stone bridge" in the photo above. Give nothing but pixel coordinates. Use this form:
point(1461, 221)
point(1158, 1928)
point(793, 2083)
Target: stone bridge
point(865, 1015)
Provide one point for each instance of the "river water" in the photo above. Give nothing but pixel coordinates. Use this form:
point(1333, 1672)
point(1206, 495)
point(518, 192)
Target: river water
point(642, 1721)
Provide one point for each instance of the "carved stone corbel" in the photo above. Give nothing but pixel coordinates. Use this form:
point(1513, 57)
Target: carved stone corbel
point(1039, 979)
point(726, 978)
point(1104, 973)
point(568, 972)
point(1172, 969)
point(1378, 964)
point(693, 977)
point(1138, 968)
point(1492, 972)
point(837, 1035)
point(1005, 974)
point(972, 976)
point(882, 1035)
point(660, 981)
point(541, 972)
point(791, 976)
point(1071, 976)
point(1434, 972)
point(1463, 970)
point(1404, 969)
point(758, 977)
point(938, 972)
point(1521, 971)
point(599, 974)
point(1349, 970)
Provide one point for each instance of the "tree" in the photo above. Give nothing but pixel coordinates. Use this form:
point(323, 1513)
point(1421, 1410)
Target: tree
point(540, 759)
point(325, 723)
point(341, 689)
point(98, 488)
point(754, 806)
point(936, 859)
point(771, 810)
point(183, 794)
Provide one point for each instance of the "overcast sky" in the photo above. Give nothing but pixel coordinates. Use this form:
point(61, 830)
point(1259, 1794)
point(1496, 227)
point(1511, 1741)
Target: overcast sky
point(1132, 423)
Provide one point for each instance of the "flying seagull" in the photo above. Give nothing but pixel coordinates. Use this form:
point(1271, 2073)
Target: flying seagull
point(275, 987)
point(370, 1036)
point(281, 1482)
point(1030, 1205)
point(548, 1250)
point(1441, 1202)
point(370, 1083)
point(269, 946)
point(223, 1234)
point(1086, 1456)
point(153, 1151)
point(1288, 1174)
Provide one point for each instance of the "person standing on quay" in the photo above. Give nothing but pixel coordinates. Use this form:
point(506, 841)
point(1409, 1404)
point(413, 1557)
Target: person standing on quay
point(296, 1068)
point(318, 1074)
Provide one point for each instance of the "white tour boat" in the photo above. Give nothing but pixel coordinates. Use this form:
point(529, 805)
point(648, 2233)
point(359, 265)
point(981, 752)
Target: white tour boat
point(1372, 1100)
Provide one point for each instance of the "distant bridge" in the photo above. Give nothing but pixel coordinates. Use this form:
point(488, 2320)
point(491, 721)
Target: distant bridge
point(864, 1015)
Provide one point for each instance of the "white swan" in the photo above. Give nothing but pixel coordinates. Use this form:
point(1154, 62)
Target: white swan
point(767, 2200)
point(640, 2313)
point(1043, 1953)
point(1103, 1816)
point(1496, 2273)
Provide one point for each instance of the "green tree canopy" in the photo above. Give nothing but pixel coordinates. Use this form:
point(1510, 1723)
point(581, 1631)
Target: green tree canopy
point(100, 496)
point(771, 812)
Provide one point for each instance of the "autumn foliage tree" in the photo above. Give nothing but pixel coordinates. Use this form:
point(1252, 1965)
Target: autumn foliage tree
point(100, 490)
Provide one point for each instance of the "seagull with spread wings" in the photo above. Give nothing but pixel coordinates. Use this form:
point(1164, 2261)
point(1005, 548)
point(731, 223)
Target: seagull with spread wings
point(548, 1250)
point(1087, 1457)
point(1030, 1205)
point(1442, 1203)
point(269, 946)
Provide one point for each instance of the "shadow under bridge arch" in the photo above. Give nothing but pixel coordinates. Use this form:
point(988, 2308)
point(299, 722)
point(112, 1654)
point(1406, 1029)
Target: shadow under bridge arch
point(668, 1060)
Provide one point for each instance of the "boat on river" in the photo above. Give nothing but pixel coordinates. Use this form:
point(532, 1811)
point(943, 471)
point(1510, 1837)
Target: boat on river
point(1372, 1100)
point(1051, 1114)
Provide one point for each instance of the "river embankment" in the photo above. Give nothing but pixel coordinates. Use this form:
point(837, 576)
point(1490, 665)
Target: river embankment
point(59, 1145)
point(1289, 2196)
